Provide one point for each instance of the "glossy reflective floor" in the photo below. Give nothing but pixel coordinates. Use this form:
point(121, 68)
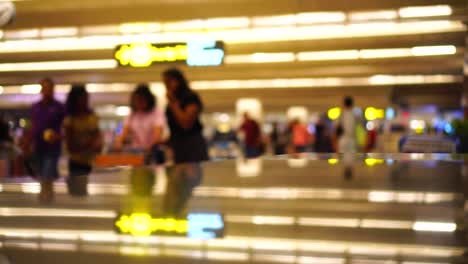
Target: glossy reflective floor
point(309, 209)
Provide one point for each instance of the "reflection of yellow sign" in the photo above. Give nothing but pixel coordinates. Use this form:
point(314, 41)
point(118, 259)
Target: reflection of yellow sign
point(145, 225)
point(144, 54)
point(371, 162)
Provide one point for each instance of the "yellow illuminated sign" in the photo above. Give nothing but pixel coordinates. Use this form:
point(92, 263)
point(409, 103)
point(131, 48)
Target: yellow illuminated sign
point(145, 225)
point(194, 53)
point(144, 54)
point(334, 113)
point(372, 113)
point(333, 161)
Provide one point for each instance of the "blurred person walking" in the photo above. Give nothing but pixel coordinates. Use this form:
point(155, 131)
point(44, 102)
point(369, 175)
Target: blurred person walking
point(300, 136)
point(145, 125)
point(346, 131)
point(82, 137)
point(252, 137)
point(47, 116)
point(186, 141)
point(323, 141)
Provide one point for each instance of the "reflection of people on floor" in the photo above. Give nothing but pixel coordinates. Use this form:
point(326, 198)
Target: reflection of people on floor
point(186, 141)
point(83, 139)
point(182, 179)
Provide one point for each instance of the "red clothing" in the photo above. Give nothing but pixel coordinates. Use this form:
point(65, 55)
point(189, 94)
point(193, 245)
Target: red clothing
point(252, 133)
point(300, 135)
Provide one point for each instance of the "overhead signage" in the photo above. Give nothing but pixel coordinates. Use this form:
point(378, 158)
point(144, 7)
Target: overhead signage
point(197, 225)
point(193, 53)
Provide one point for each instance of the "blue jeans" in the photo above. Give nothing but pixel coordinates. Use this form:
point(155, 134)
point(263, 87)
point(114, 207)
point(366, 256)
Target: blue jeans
point(252, 152)
point(48, 165)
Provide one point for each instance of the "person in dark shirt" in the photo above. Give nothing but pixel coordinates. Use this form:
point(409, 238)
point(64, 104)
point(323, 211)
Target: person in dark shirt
point(47, 116)
point(186, 141)
point(252, 137)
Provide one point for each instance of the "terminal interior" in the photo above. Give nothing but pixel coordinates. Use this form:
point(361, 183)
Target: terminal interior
point(400, 200)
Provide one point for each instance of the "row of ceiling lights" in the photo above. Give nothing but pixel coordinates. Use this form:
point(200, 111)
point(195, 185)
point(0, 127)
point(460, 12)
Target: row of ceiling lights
point(234, 22)
point(247, 58)
point(376, 80)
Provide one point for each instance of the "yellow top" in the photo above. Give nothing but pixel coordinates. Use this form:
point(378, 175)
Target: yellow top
point(85, 129)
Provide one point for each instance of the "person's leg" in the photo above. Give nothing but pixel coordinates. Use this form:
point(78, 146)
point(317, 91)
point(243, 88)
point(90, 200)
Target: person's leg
point(77, 181)
point(48, 173)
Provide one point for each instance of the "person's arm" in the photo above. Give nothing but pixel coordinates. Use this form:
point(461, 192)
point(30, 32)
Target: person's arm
point(158, 128)
point(118, 144)
point(185, 117)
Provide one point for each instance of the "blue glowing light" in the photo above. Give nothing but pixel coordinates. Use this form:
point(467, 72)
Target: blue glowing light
point(204, 53)
point(204, 226)
point(448, 128)
point(390, 113)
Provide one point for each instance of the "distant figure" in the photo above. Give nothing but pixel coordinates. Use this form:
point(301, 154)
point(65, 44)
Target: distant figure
point(300, 136)
point(187, 142)
point(47, 116)
point(277, 139)
point(347, 141)
point(82, 137)
point(252, 137)
point(145, 124)
point(323, 141)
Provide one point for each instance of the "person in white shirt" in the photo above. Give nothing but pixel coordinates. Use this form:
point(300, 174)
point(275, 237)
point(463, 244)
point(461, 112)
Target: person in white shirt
point(348, 122)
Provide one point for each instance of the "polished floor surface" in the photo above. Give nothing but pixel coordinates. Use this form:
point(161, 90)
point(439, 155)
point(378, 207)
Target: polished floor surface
point(309, 209)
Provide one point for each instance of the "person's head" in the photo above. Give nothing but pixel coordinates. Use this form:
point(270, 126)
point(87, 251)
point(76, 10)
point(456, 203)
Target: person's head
point(78, 100)
point(142, 99)
point(175, 81)
point(246, 116)
point(348, 102)
point(47, 89)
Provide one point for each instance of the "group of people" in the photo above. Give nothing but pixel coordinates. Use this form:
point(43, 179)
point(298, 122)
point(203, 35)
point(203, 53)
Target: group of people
point(346, 135)
point(76, 124)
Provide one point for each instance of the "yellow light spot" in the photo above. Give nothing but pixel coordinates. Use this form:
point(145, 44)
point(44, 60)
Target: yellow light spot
point(334, 113)
point(145, 225)
point(372, 113)
point(373, 162)
point(333, 161)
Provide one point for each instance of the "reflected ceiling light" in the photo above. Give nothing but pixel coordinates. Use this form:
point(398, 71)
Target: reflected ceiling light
point(434, 227)
point(328, 55)
point(434, 50)
point(285, 20)
point(131, 28)
point(320, 17)
point(384, 53)
point(197, 24)
point(234, 22)
point(31, 89)
point(51, 212)
point(59, 32)
point(376, 15)
point(425, 11)
point(21, 34)
point(57, 65)
point(273, 57)
point(99, 30)
point(320, 260)
point(1, 91)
